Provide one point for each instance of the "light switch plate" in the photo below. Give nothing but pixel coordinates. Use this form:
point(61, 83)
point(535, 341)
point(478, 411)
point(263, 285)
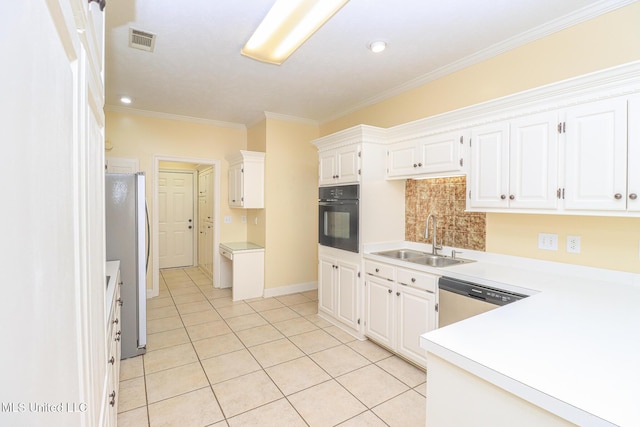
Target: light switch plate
point(548, 241)
point(227, 219)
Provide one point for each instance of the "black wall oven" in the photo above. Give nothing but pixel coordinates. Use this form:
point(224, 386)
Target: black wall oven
point(339, 217)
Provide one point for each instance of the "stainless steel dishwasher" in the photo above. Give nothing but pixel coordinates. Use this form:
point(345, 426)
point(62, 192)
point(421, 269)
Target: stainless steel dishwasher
point(459, 300)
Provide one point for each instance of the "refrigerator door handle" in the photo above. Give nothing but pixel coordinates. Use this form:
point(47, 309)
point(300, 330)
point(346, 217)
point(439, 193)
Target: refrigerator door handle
point(142, 271)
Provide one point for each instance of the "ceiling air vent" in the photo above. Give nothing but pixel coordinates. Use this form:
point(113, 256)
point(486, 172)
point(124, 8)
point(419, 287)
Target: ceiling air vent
point(141, 40)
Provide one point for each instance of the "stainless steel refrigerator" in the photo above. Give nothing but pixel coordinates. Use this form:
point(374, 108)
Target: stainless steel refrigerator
point(126, 232)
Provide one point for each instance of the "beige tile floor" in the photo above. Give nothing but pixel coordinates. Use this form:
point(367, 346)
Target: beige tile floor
point(262, 362)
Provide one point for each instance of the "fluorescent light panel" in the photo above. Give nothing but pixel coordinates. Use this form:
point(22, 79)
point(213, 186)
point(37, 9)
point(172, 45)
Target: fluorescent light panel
point(287, 26)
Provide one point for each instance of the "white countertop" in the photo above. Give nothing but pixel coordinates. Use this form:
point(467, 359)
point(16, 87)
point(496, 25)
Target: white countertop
point(241, 246)
point(572, 347)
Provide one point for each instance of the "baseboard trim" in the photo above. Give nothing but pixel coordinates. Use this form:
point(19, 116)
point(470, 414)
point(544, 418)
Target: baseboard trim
point(290, 289)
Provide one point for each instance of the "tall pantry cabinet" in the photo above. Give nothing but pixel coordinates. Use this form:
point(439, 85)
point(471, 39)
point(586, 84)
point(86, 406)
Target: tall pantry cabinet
point(205, 221)
point(52, 101)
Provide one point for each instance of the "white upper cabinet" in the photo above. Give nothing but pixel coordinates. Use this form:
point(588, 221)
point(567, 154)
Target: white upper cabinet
point(339, 166)
point(596, 156)
point(533, 162)
point(436, 155)
point(514, 164)
point(489, 181)
point(246, 180)
point(633, 154)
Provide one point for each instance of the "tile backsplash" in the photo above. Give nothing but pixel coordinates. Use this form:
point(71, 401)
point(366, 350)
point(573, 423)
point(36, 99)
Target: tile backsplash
point(445, 199)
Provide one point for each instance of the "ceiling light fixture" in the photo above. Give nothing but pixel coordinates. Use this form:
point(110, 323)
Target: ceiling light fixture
point(377, 46)
point(126, 100)
point(287, 26)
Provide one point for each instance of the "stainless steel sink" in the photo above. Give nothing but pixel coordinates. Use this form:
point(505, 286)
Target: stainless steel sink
point(422, 258)
point(438, 260)
point(405, 254)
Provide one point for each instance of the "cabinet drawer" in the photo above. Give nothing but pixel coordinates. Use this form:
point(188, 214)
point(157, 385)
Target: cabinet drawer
point(417, 279)
point(379, 270)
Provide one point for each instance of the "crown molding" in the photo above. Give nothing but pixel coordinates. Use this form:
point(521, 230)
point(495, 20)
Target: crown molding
point(622, 80)
point(286, 118)
point(551, 27)
point(167, 116)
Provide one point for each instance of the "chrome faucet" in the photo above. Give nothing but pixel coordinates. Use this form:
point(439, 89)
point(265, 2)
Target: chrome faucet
point(434, 246)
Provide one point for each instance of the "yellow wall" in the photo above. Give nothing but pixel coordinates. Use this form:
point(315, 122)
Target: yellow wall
point(256, 218)
point(606, 242)
point(609, 40)
point(291, 178)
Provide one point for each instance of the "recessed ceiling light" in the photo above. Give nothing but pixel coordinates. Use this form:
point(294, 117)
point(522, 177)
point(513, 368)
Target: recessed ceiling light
point(377, 46)
point(126, 100)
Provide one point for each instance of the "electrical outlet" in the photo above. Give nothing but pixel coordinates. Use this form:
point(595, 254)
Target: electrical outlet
point(547, 241)
point(573, 244)
point(227, 219)
point(243, 218)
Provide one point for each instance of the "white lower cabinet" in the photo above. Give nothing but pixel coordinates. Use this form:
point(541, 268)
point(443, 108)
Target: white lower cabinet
point(113, 346)
point(399, 307)
point(379, 310)
point(338, 295)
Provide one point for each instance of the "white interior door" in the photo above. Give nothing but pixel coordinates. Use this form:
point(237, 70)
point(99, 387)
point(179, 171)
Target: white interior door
point(176, 221)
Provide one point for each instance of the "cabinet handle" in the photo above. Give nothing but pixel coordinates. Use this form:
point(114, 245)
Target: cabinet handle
point(398, 293)
point(419, 165)
point(618, 196)
point(512, 197)
point(112, 360)
point(413, 280)
point(112, 402)
point(415, 165)
point(377, 270)
point(633, 196)
point(390, 291)
point(502, 196)
point(116, 321)
point(119, 301)
point(118, 335)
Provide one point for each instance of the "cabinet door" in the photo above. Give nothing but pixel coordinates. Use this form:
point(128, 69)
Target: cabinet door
point(633, 160)
point(348, 161)
point(416, 315)
point(596, 153)
point(490, 166)
point(441, 153)
point(235, 185)
point(327, 170)
point(379, 302)
point(347, 294)
point(326, 285)
point(402, 159)
point(533, 162)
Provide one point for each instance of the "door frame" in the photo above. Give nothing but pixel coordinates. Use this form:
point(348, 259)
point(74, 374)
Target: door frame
point(157, 158)
point(194, 209)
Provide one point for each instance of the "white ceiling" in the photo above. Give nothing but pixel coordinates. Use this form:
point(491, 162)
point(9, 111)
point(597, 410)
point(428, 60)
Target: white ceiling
point(197, 70)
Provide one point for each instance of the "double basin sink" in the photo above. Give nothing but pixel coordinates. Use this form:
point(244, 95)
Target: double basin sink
point(423, 258)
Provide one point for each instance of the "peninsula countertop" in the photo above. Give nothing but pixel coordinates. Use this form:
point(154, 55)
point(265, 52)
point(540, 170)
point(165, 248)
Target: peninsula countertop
point(572, 347)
